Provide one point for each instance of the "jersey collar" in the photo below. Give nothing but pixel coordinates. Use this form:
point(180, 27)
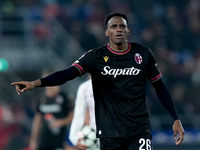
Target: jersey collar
point(119, 52)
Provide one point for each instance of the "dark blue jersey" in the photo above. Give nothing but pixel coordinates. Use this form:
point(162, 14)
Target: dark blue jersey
point(119, 79)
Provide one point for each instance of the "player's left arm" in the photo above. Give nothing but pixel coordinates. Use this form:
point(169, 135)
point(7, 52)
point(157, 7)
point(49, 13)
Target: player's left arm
point(164, 96)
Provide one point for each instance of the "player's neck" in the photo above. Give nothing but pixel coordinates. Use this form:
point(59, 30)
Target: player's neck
point(122, 47)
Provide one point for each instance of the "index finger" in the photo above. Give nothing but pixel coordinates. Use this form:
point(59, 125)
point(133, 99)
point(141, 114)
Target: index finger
point(175, 135)
point(15, 83)
point(180, 138)
point(179, 141)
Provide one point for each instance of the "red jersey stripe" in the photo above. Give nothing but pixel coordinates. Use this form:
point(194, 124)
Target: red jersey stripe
point(156, 78)
point(118, 52)
point(79, 68)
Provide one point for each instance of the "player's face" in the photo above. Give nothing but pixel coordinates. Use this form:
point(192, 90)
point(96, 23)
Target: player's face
point(117, 30)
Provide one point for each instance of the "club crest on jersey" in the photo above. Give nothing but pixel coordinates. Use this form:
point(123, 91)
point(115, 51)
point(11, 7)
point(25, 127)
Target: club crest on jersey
point(105, 58)
point(138, 58)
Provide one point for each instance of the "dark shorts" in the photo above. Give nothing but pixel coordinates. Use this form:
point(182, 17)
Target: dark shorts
point(50, 144)
point(137, 142)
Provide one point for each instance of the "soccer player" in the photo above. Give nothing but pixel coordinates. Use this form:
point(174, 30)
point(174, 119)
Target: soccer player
point(119, 71)
point(53, 115)
point(84, 101)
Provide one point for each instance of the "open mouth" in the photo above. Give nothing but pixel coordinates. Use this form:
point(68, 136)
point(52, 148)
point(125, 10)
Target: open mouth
point(119, 36)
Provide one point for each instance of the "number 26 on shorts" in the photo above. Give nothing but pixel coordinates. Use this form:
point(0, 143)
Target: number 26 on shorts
point(144, 142)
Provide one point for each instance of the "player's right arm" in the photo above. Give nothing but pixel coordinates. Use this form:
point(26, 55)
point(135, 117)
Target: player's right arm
point(78, 68)
point(57, 78)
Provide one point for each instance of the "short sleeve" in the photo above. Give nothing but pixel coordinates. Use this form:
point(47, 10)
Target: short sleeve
point(153, 73)
point(66, 103)
point(85, 62)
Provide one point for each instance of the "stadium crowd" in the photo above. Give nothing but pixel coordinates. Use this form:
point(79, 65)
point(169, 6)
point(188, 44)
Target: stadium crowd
point(170, 28)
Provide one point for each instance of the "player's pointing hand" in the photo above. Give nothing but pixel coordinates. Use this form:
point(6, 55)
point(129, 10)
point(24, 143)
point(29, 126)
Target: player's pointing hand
point(178, 128)
point(23, 86)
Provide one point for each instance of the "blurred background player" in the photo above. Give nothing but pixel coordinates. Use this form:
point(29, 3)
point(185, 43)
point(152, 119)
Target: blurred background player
point(52, 119)
point(83, 114)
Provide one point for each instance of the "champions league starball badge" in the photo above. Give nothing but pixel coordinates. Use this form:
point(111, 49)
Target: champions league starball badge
point(138, 58)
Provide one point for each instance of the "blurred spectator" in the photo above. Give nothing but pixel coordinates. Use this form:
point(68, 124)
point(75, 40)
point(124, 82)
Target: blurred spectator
point(12, 122)
point(41, 33)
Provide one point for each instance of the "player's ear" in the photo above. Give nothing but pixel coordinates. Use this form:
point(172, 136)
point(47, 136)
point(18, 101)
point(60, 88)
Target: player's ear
point(129, 31)
point(106, 32)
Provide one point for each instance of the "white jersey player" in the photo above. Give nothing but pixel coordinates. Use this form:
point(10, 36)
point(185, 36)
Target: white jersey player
point(84, 101)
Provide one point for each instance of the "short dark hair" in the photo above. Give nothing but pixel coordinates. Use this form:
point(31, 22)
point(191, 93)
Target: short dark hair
point(113, 14)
